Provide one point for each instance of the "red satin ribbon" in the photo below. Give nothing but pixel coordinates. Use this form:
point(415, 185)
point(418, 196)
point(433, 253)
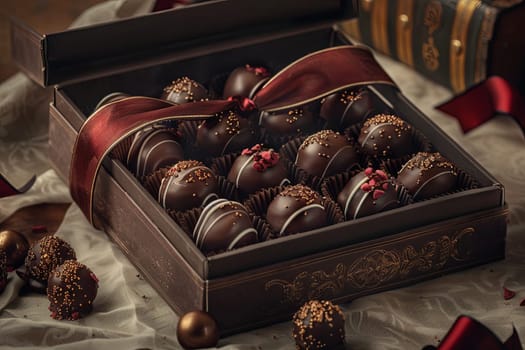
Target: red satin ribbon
point(481, 102)
point(469, 334)
point(7, 189)
point(311, 77)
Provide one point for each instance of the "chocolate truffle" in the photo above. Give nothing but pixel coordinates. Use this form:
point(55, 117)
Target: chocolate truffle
point(46, 254)
point(110, 98)
point(223, 225)
point(290, 122)
point(245, 81)
point(228, 132)
point(3, 270)
point(152, 149)
point(368, 192)
point(257, 168)
point(319, 324)
point(71, 290)
point(427, 175)
point(326, 153)
point(184, 90)
point(197, 330)
point(15, 246)
point(348, 107)
point(296, 209)
point(386, 135)
point(188, 184)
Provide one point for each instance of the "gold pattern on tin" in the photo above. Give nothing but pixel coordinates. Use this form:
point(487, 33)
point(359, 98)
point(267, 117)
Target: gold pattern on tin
point(432, 21)
point(375, 268)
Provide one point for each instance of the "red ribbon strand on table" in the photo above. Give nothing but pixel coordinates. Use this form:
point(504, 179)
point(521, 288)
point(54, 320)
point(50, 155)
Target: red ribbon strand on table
point(467, 333)
point(481, 102)
point(7, 189)
point(307, 79)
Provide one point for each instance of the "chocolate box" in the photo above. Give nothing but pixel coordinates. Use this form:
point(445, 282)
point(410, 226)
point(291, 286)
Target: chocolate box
point(266, 282)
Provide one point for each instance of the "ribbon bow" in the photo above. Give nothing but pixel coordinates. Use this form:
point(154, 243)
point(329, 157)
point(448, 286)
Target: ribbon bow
point(307, 79)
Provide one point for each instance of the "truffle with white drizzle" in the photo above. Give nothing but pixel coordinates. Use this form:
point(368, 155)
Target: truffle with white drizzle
point(368, 192)
point(428, 174)
point(188, 184)
point(386, 136)
point(223, 225)
point(326, 153)
point(295, 209)
point(184, 90)
point(256, 168)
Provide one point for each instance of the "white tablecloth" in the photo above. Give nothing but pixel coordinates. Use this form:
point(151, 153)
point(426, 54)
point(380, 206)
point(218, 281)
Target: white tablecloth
point(129, 314)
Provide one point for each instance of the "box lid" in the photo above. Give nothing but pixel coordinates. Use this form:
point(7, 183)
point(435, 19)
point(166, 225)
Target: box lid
point(97, 50)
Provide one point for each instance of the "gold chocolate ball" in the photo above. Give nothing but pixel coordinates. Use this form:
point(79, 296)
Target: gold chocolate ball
point(196, 330)
point(15, 246)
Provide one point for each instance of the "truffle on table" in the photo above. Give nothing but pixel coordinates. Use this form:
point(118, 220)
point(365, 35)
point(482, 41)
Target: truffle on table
point(184, 90)
point(295, 209)
point(256, 168)
point(245, 81)
point(15, 246)
point(46, 254)
point(368, 192)
point(319, 324)
point(224, 225)
point(386, 136)
point(428, 174)
point(326, 153)
point(71, 290)
point(188, 184)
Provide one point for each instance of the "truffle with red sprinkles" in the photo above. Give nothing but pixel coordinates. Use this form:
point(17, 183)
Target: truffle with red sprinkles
point(348, 107)
point(368, 192)
point(319, 324)
point(428, 174)
point(226, 133)
point(289, 123)
point(295, 209)
point(245, 81)
point(46, 254)
point(184, 90)
point(326, 153)
point(188, 184)
point(3, 270)
point(223, 225)
point(386, 136)
point(71, 290)
point(256, 168)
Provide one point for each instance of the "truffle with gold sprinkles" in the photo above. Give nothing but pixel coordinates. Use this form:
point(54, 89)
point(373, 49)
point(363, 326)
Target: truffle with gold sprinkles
point(226, 133)
point(428, 174)
point(386, 136)
point(289, 123)
point(3, 270)
point(184, 90)
point(46, 254)
point(319, 324)
point(223, 225)
point(326, 153)
point(187, 184)
point(71, 290)
point(295, 209)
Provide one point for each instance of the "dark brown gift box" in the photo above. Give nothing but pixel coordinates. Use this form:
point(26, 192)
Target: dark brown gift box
point(266, 282)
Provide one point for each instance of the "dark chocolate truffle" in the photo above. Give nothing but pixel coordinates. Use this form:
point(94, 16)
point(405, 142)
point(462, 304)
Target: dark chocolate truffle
point(257, 168)
point(3, 270)
point(71, 290)
point(46, 254)
point(110, 98)
point(188, 184)
point(245, 81)
point(348, 107)
point(385, 135)
point(184, 90)
point(427, 175)
point(368, 192)
point(291, 122)
point(223, 225)
point(319, 324)
point(197, 330)
point(153, 148)
point(326, 153)
point(15, 246)
point(228, 132)
point(296, 209)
